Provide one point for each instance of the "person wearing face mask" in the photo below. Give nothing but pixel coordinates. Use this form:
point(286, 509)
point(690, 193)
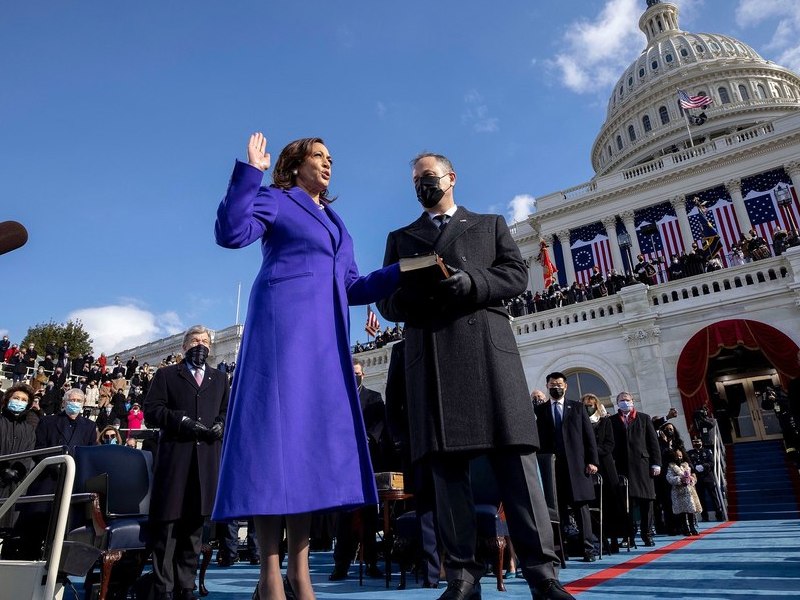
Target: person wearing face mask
point(188, 402)
point(566, 432)
point(638, 457)
point(465, 387)
point(109, 436)
point(69, 427)
point(16, 435)
point(306, 412)
point(613, 523)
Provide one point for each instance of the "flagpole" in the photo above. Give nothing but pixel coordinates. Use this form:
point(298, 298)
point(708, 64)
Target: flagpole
point(238, 298)
point(689, 131)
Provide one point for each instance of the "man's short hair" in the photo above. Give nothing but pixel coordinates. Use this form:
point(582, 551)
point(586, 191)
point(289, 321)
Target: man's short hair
point(555, 375)
point(194, 330)
point(72, 393)
point(441, 159)
point(628, 394)
point(358, 362)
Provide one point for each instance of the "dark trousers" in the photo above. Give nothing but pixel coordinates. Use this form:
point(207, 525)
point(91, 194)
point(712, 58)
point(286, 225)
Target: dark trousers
point(347, 537)
point(645, 516)
point(525, 508)
point(424, 505)
point(176, 546)
point(583, 517)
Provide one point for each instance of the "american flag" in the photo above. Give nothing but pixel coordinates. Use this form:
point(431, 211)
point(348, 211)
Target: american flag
point(762, 206)
point(688, 102)
point(664, 245)
point(590, 247)
point(373, 326)
point(720, 211)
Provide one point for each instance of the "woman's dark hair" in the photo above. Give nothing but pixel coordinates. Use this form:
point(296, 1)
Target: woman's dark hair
point(20, 387)
point(671, 456)
point(290, 159)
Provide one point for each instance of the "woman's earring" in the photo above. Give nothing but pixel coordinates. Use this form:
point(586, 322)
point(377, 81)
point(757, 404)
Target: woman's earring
point(294, 172)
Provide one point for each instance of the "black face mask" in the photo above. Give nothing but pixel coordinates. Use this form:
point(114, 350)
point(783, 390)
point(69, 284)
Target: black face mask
point(359, 379)
point(590, 410)
point(428, 191)
point(556, 393)
point(196, 355)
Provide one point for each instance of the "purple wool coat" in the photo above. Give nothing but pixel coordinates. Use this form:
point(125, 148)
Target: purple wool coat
point(294, 439)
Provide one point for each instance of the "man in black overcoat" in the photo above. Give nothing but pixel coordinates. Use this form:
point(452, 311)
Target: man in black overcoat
point(466, 388)
point(575, 447)
point(188, 402)
point(638, 457)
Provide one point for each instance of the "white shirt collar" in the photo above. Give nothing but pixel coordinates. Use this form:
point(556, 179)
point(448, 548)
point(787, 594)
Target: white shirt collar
point(450, 212)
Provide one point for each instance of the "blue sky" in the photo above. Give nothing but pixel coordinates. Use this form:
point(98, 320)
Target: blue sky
point(120, 123)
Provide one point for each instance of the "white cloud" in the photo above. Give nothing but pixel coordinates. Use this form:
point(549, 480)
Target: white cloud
point(117, 327)
point(476, 114)
point(380, 110)
point(520, 207)
point(597, 51)
point(785, 43)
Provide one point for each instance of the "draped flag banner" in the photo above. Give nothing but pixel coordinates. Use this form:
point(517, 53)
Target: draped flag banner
point(548, 268)
point(664, 244)
point(714, 217)
point(373, 326)
point(590, 248)
point(762, 204)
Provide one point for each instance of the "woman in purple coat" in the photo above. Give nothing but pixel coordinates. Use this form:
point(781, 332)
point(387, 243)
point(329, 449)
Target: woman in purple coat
point(295, 440)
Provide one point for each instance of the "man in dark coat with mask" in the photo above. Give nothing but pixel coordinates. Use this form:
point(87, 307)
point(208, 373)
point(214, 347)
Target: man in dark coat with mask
point(565, 430)
point(466, 390)
point(188, 402)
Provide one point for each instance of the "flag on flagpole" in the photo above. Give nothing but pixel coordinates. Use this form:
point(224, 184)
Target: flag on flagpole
point(548, 268)
point(689, 102)
point(373, 326)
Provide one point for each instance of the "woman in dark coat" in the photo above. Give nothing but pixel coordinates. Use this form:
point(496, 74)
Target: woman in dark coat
point(16, 435)
point(305, 450)
point(613, 522)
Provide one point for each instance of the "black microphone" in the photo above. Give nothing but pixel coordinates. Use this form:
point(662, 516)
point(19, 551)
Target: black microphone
point(12, 236)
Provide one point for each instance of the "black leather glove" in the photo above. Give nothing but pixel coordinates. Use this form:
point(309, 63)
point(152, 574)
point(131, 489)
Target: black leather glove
point(194, 428)
point(216, 431)
point(459, 284)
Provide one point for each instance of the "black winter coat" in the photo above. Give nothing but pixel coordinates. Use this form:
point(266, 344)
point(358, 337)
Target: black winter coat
point(635, 451)
point(174, 394)
point(465, 385)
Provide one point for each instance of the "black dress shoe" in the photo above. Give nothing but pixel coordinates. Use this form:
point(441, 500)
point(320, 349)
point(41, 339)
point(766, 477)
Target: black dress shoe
point(374, 572)
point(648, 541)
point(338, 574)
point(551, 589)
point(458, 589)
point(186, 594)
point(429, 584)
point(589, 556)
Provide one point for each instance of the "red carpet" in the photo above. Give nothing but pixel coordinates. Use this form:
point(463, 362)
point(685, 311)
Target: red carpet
point(581, 585)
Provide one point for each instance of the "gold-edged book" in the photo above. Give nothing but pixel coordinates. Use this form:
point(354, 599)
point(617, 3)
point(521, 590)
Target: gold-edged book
point(427, 266)
point(389, 480)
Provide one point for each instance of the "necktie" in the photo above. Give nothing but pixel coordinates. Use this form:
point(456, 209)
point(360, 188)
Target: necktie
point(198, 376)
point(441, 221)
point(557, 418)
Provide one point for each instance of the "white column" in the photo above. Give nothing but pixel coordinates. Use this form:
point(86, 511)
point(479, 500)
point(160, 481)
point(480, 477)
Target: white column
point(566, 251)
point(627, 220)
point(610, 223)
point(734, 187)
point(793, 170)
point(679, 204)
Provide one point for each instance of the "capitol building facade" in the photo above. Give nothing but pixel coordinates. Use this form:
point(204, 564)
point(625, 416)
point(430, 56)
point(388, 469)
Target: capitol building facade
point(715, 339)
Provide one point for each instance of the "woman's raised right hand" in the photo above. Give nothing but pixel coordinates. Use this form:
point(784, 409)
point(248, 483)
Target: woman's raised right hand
point(257, 155)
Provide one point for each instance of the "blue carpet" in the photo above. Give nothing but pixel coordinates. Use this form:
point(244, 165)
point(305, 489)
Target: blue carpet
point(744, 560)
point(761, 485)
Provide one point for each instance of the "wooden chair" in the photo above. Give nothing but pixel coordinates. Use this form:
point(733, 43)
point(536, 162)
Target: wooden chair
point(547, 474)
point(117, 524)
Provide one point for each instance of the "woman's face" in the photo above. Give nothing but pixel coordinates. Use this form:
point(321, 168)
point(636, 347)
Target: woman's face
point(314, 174)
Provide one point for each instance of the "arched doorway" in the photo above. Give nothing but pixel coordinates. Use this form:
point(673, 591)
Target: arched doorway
point(727, 366)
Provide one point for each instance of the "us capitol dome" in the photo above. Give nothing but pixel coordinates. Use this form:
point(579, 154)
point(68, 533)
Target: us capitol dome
point(644, 120)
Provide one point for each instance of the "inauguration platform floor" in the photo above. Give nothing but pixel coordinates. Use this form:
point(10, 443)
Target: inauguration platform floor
point(732, 560)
